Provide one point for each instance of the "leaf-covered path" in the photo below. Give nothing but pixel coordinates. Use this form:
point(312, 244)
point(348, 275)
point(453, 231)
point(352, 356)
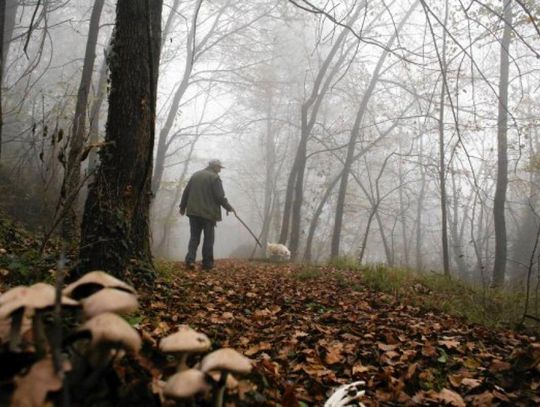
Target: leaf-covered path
point(309, 333)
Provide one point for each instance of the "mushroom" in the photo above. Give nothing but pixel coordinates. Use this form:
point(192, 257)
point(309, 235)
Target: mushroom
point(186, 385)
point(110, 334)
point(38, 297)
point(230, 384)
point(225, 361)
point(109, 300)
point(184, 342)
point(94, 281)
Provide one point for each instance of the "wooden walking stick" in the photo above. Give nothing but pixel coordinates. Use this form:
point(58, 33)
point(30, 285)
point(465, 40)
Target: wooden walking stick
point(248, 229)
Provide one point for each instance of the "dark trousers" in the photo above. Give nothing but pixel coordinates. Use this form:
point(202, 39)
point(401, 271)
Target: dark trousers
point(196, 226)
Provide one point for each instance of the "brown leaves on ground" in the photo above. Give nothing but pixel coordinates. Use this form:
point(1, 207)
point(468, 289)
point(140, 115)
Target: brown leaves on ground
point(309, 336)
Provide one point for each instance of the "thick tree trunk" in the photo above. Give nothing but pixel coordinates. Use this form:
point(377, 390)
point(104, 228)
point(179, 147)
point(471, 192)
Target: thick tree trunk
point(115, 229)
point(78, 132)
point(499, 267)
point(2, 61)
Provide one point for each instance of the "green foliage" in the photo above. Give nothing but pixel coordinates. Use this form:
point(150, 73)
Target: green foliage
point(308, 272)
point(167, 270)
point(344, 263)
point(26, 268)
point(381, 278)
point(490, 307)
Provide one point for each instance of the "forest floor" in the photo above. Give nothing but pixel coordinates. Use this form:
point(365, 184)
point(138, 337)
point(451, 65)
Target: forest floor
point(310, 330)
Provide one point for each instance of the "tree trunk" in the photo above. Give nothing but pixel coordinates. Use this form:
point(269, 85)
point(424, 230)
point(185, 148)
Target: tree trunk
point(115, 229)
point(308, 115)
point(93, 133)
point(336, 235)
point(442, 163)
point(455, 234)
point(316, 216)
point(78, 133)
point(402, 211)
point(2, 61)
point(499, 266)
point(420, 209)
point(270, 163)
point(286, 219)
point(8, 25)
point(387, 249)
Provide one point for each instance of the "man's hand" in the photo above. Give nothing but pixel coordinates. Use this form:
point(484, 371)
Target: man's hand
point(182, 211)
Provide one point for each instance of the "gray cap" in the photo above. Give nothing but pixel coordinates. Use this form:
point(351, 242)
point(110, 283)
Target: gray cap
point(215, 163)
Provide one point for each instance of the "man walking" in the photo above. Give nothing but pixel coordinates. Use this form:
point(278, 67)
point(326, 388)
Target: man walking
point(201, 202)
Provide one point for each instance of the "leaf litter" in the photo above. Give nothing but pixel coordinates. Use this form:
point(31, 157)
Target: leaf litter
point(310, 336)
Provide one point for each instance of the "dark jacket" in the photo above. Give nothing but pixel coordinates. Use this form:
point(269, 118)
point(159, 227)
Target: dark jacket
point(204, 196)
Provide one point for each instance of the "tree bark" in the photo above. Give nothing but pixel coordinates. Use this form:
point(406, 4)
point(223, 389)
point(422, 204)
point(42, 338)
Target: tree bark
point(499, 266)
point(2, 59)
point(93, 132)
point(72, 176)
point(115, 228)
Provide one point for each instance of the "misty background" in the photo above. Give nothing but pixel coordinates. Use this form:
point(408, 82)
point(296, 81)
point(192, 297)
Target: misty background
point(377, 128)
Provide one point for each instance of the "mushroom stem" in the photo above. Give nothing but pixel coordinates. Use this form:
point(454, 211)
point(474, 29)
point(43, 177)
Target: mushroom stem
point(220, 392)
point(99, 356)
point(100, 360)
point(15, 331)
point(183, 362)
point(38, 331)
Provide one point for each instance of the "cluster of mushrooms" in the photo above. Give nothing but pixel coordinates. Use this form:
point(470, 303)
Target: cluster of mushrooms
point(212, 374)
point(25, 326)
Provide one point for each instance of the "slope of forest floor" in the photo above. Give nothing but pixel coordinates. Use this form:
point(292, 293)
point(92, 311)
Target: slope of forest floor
point(308, 330)
point(311, 332)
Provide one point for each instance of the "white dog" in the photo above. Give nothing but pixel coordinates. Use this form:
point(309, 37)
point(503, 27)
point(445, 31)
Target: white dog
point(278, 252)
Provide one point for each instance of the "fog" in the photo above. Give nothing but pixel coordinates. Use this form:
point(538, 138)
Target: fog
point(380, 130)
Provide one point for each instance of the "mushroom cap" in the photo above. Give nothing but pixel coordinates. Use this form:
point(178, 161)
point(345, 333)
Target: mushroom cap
point(12, 293)
point(185, 340)
point(186, 384)
point(226, 359)
point(109, 300)
point(97, 278)
point(37, 296)
point(109, 328)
